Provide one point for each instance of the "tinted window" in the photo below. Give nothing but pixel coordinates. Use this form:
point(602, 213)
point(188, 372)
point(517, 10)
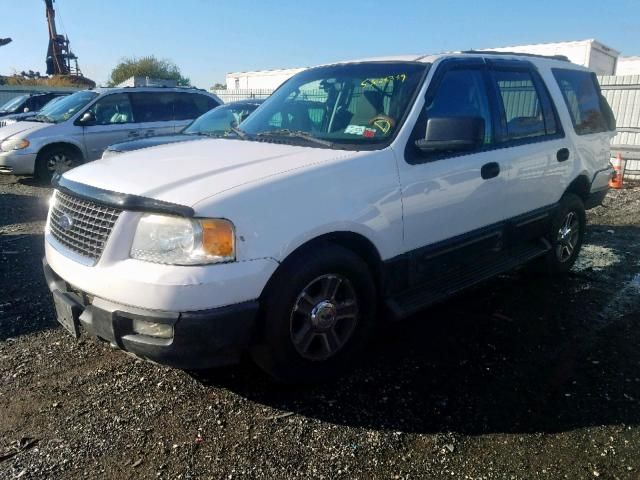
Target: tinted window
point(589, 111)
point(521, 107)
point(152, 107)
point(461, 93)
point(112, 109)
point(188, 106)
point(39, 101)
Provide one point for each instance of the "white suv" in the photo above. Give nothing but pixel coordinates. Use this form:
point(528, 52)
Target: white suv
point(402, 180)
point(78, 128)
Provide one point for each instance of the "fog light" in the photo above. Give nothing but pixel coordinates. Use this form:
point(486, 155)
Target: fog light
point(153, 329)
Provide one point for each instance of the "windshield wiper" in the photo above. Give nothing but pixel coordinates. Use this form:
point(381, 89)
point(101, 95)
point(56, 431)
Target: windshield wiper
point(40, 118)
point(240, 133)
point(285, 132)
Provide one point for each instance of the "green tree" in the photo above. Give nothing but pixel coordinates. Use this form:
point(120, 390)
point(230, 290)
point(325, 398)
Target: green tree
point(219, 86)
point(149, 66)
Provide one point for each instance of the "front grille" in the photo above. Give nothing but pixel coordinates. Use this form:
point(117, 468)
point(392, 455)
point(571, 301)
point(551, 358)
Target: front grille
point(81, 225)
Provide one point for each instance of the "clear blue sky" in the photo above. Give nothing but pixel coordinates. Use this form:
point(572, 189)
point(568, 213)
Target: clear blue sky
point(207, 38)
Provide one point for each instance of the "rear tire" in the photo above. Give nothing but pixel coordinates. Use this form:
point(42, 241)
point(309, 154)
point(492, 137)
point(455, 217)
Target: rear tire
point(566, 236)
point(319, 311)
point(55, 159)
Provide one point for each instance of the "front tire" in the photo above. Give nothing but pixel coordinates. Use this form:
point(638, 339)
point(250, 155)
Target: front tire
point(319, 311)
point(55, 160)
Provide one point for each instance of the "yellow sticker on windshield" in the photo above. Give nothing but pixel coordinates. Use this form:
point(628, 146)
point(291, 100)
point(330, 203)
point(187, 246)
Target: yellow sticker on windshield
point(382, 81)
point(383, 125)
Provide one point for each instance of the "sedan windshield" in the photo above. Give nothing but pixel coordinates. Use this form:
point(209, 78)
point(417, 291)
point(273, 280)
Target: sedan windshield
point(65, 108)
point(13, 104)
point(341, 105)
point(220, 120)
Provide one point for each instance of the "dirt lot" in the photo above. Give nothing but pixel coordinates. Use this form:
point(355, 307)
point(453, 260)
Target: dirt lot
point(519, 378)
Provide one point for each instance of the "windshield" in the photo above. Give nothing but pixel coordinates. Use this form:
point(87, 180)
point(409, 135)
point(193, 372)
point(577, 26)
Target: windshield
point(351, 104)
point(13, 104)
point(220, 119)
point(67, 107)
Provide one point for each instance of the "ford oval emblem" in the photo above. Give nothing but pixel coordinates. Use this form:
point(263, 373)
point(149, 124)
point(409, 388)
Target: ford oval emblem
point(65, 222)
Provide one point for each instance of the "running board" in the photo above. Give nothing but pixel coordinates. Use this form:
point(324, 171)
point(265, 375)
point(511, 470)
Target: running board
point(409, 302)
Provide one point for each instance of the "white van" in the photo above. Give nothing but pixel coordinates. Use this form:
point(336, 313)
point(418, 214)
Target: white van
point(80, 127)
point(358, 192)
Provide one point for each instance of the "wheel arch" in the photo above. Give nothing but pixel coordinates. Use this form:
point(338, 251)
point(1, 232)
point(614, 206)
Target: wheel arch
point(357, 243)
point(70, 145)
point(580, 186)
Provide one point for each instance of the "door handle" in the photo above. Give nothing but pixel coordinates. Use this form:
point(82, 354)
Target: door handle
point(149, 133)
point(134, 134)
point(563, 154)
point(490, 170)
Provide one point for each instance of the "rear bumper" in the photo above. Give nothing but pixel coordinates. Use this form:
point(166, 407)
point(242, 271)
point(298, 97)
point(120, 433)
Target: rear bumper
point(201, 339)
point(17, 163)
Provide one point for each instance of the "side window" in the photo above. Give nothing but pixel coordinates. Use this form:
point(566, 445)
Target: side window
point(521, 106)
point(112, 109)
point(184, 108)
point(461, 93)
point(152, 106)
point(584, 101)
point(204, 103)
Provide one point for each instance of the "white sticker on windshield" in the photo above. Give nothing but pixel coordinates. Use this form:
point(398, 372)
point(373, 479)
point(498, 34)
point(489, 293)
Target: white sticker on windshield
point(355, 129)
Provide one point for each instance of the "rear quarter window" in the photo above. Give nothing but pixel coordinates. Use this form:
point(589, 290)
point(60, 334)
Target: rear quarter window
point(589, 110)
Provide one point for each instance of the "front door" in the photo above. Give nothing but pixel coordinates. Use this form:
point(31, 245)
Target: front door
point(114, 123)
point(452, 203)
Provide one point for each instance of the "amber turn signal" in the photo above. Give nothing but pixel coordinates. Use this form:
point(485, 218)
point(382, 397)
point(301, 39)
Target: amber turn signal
point(218, 238)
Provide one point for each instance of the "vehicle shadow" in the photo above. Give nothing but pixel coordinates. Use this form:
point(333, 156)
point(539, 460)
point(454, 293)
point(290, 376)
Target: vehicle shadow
point(18, 209)
point(520, 353)
point(25, 301)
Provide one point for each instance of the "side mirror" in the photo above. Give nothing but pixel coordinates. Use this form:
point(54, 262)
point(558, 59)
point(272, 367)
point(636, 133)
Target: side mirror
point(452, 134)
point(87, 119)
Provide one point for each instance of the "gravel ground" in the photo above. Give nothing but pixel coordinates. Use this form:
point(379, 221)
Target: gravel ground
point(520, 378)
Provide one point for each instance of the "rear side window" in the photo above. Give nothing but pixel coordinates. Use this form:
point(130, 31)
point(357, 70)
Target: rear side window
point(152, 106)
point(188, 106)
point(589, 111)
point(522, 111)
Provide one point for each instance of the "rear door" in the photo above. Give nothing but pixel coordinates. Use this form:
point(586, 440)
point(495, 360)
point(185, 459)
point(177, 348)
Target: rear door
point(153, 112)
point(114, 123)
point(188, 106)
point(533, 152)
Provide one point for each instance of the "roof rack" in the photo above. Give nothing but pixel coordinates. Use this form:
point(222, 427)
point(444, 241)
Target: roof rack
point(562, 58)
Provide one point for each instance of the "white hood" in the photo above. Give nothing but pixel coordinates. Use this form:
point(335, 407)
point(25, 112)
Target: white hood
point(21, 128)
point(185, 173)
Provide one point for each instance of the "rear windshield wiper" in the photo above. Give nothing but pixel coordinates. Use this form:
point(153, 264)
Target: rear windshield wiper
point(284, 132)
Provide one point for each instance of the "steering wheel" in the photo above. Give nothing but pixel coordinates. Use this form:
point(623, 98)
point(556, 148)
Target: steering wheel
point(382, 122)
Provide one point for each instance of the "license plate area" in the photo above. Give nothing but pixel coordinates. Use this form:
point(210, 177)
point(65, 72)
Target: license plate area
point(67, 313)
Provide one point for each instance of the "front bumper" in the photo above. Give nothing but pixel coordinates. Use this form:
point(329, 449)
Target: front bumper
point(201, 339)
point(17, 162)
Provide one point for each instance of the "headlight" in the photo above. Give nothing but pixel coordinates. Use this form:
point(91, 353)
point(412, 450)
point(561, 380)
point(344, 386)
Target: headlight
point(14, 144)
point(183, 241)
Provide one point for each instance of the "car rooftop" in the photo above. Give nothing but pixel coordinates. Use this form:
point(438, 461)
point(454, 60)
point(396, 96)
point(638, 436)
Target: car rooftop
point(430, 58)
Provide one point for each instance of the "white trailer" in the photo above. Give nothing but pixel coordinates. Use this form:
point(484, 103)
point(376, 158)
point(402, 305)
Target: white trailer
point(589, 53)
